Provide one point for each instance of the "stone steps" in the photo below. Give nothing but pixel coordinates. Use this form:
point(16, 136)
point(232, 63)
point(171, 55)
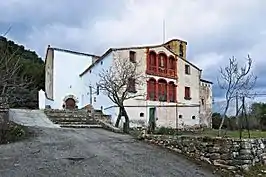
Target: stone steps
point(74, 119)
point(80, 126)
point(74, 122)
point(69, 119)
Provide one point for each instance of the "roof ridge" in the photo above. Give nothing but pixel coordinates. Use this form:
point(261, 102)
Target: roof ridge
point(73, 52)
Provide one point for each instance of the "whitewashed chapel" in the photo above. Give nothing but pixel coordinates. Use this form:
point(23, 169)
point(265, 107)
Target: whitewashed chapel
point(175, 94)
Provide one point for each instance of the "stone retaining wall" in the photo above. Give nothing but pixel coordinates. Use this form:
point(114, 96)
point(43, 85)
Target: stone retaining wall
point(232, 154)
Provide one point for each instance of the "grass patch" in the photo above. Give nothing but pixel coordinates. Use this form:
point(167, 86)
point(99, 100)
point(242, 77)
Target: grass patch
point(11, 132)
point(256, 171)
point(211, 133)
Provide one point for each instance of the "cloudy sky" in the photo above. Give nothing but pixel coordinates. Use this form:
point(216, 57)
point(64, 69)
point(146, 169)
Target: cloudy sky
point(214, 30)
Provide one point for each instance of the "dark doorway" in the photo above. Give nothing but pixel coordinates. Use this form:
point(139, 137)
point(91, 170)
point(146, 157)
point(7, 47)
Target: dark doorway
point(70, 103)
point(152, 124)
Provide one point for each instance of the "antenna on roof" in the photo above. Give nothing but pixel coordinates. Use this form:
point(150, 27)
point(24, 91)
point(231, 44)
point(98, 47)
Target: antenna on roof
point(163, 31)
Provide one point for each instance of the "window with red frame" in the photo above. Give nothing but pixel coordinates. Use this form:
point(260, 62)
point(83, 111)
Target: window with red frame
point(171, 63)
point(151, 89)
point(152, 61)
point(162, 90)
point(187, 93)
point(152, 58)
point(172, 92)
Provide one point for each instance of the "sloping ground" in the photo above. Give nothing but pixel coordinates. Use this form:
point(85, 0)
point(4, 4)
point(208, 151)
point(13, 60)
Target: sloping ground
point(93, 153)
point(31, 118)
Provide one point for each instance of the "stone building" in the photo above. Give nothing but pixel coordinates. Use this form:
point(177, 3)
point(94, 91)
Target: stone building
point(174, 95)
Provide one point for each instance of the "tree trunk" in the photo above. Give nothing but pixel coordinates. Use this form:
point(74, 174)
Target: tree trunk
point(118, 117)
point(124, 113)
point(223, 118)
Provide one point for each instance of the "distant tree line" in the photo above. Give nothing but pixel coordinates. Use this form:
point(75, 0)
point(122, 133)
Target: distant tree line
point(256, 119)
point(22, 74)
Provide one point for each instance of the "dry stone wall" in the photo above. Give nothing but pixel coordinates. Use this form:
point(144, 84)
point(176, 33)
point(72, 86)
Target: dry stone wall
point(232, 154)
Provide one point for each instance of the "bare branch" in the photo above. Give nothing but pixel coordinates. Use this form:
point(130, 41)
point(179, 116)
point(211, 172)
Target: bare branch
point(12, 80)
point(121, 81)
point(236, 80)
point(7, 31)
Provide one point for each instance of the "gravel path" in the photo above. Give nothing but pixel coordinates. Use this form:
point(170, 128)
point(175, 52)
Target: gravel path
point(93, 153)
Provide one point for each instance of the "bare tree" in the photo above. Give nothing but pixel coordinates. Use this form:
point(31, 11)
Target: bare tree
point(12, 81)
point(120, 83)
point(236, 81)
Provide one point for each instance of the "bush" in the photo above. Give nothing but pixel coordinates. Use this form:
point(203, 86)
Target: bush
point(10, 132)
point(165, 131)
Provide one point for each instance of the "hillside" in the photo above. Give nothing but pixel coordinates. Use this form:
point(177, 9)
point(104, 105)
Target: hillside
point(30, 67)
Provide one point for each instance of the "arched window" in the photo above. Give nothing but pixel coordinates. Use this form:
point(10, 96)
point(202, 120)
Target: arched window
point(162, 63)
point(172, 64)
point(172, 92)
point(152, 61)
point(162, 60)
point(151, 89)
point(162, 90)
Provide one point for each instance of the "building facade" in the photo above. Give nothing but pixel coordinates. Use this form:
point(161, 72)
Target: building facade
point(172, 94)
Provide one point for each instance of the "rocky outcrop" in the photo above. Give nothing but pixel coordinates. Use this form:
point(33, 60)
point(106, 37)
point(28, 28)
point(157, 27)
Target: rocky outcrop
point(109, 126)
point(226, 153)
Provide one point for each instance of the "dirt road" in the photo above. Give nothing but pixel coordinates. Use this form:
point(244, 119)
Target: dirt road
point(92, 153)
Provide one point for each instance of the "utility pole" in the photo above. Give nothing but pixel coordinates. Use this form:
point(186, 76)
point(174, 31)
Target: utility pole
point(163, 31)
point(246, 117)
point(237, 118)
point(242, 115)
point(236, 103)
point(90, 94)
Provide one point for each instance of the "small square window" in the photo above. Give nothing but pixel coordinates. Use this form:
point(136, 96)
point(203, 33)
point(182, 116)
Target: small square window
point(98, 90)
point(187, 93)
point(193, 117)
point(187, 69)
point(132, 56)
point(180, 116)
point(141, 114)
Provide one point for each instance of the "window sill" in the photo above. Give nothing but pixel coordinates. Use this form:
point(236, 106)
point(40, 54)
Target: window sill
point(162, 100)
point(132, 91)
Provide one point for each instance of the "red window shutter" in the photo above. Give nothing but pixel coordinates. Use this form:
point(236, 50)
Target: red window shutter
point(187, 92)
point(152, 90)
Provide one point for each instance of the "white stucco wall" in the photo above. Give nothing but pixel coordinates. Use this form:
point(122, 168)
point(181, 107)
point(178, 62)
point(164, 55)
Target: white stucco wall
point(41, 99)
point(91, 78)
point(67, 67)
point(193, 81)
point(165, 113)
